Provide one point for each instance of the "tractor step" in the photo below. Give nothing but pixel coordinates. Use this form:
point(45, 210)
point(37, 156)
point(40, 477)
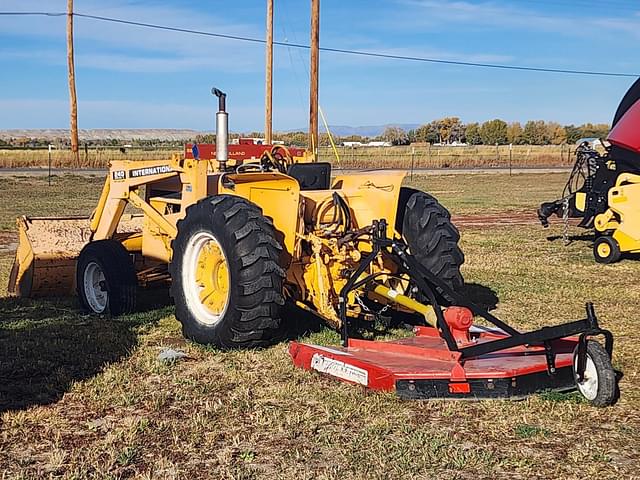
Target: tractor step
point(422, 366)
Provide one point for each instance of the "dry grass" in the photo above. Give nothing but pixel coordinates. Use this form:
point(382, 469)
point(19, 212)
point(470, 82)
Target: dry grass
point(91, 158)
point(371, 157)
point(84, 397)
point(450, 157)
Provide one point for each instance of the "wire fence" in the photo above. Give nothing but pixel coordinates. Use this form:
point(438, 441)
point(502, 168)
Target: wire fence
point(96, 157)
point(402, 157)
point(427, 157)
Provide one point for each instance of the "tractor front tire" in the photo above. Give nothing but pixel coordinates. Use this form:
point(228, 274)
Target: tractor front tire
point(226, 279)
point(106, 279)
point(433, 239)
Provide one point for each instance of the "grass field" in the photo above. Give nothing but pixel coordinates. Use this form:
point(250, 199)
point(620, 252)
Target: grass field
point(85, 397)
point(348, 157)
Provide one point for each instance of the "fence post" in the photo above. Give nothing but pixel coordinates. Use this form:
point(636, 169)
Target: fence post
point(49, 164)
point(510, 157)
point(413, 153)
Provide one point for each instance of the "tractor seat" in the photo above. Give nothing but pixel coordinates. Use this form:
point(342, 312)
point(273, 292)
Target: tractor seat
point(311, 176)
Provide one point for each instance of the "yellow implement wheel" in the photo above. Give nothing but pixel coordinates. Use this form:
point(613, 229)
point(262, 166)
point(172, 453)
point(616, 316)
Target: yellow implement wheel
point(212, 277)
point(606, 250)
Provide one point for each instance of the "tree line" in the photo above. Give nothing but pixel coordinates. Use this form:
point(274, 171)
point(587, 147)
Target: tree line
point(448, 130)
point(451, 130)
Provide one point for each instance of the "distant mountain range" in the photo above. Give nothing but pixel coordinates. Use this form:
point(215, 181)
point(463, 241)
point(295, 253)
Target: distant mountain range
point(104, 134)
point(177, 134)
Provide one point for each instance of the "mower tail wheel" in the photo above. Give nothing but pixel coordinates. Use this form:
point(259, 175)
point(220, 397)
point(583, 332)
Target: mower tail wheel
point(598, 384)
point(606, 250)
point(106, 278)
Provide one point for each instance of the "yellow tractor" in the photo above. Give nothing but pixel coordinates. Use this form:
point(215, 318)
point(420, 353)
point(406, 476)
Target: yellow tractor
point(236, 240)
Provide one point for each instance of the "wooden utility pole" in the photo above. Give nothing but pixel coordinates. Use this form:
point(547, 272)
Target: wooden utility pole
point(72, 85)
point(313, 94)
point(268, 98)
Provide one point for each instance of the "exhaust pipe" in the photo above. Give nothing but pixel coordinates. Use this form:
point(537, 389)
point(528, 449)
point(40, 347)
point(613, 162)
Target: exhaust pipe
point(222, 129)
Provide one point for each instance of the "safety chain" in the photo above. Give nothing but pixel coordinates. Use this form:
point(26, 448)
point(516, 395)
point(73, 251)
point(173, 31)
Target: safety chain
point(565, 221)
point(368, 310)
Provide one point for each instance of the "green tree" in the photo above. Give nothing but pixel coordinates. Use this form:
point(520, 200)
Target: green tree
point(572, 133)
point(535, 133)
point(449, 129)
point(514, 133)
point(206, 138)
point(395, 135)
point(556, 133)
point(472, 134)
point(428, 133)
point(494, 131)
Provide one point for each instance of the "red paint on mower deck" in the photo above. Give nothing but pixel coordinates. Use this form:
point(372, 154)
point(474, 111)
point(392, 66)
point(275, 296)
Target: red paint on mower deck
point(426, 357)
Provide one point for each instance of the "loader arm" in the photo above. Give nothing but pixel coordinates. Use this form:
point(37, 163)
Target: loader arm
point(48, 247)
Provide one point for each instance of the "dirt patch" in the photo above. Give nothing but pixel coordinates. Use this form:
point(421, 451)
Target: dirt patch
point(503, 219)
point(8, 242)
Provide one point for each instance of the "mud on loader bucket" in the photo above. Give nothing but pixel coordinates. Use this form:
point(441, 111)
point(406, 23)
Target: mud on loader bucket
point(48, 248)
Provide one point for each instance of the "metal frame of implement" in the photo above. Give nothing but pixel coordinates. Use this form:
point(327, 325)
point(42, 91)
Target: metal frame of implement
point(502, 363)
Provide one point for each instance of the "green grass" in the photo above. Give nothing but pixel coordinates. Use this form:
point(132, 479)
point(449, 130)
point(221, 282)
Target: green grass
point(67, 195)
point(85, 397)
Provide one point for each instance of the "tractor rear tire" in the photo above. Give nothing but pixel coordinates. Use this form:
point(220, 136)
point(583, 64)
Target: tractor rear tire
point(106, 278)
point(226, 279)
point(433, 239)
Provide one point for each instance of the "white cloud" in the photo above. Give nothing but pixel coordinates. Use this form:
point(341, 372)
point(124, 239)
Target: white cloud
point(442, 13)
point(129, 48)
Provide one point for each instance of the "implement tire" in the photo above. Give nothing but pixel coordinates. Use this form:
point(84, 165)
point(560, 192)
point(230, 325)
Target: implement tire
point(226, 279)
point(432, 238)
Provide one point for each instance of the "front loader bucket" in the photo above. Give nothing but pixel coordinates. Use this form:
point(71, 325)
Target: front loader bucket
point(46, 257)
point(48, 248)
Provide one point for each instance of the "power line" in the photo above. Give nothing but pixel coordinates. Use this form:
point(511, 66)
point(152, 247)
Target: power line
point(25, 14)
point(360, 53)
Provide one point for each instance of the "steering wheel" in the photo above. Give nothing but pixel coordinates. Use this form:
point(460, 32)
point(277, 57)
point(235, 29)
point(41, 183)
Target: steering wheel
point(282, 157)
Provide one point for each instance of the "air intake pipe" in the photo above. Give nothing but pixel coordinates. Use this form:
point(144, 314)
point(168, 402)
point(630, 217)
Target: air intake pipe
point(222, 129)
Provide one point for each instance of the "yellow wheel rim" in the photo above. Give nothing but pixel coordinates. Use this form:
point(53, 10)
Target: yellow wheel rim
point(604, 250)
point(212, 276)
point(206, 278)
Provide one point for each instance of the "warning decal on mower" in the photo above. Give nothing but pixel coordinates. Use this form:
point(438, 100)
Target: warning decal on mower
point(339, 369)
point(143, 172)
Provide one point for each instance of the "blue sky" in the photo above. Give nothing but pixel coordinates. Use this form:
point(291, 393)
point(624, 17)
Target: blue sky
point(131, 77)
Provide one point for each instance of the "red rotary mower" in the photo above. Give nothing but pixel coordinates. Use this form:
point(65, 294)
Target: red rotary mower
point(454, 359)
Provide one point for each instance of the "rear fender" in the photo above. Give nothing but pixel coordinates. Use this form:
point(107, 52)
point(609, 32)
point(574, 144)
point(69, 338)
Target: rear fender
point(371, 195)
point(277, 194)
